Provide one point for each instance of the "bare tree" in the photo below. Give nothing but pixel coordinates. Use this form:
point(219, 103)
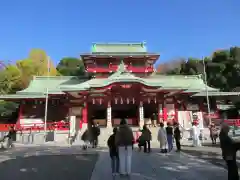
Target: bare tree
point(170, 66)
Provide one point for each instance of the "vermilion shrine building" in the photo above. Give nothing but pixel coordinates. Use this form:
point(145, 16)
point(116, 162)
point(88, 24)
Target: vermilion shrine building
point(123, 85)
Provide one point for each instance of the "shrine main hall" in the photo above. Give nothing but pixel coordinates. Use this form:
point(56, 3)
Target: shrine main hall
point(120, 82)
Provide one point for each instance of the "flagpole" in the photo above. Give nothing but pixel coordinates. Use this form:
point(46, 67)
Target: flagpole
point(46, 100)
point(206, 89)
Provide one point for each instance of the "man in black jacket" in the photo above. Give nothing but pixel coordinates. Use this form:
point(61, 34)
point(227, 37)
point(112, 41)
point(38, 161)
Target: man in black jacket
point(229, 150)
point(177, 136)
point(113, 152)
point(95, 133)
point(169, 131)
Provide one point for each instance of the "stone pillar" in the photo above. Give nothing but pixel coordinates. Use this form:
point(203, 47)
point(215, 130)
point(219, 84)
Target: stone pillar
point(109, 115)
point(141, 115)
point(73, 125)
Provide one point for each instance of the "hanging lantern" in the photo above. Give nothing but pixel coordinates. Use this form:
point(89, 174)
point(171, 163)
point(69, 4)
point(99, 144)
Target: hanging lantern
point(93, 101)
point(121, 101)
point(155, 100)
point(116, 100)
point(133, 101)
point(100, 101)
point(127, 101)
point(149, 100)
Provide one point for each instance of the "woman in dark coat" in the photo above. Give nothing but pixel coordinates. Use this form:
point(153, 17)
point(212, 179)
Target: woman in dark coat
point(147, 136)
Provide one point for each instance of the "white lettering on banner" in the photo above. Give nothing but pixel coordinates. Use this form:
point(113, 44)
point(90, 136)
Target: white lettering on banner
point(109, 115)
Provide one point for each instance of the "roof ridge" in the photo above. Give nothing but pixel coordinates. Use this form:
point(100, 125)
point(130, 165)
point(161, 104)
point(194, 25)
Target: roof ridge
point(53, 77)
point(119, 43)
point(178, 76)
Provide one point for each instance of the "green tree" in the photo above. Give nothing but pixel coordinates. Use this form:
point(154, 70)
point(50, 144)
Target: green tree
point(35, 65)
point(10, 79)
point(70, 66)
point(222, 68)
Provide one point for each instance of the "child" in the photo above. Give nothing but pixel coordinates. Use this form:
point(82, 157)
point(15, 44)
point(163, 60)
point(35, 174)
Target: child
point(113, 153)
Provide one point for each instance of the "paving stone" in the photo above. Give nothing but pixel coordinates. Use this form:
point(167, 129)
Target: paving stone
point(154, 166)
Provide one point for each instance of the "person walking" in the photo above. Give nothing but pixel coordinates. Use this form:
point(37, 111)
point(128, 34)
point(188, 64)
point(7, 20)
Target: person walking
point(177, 137)
point(113, 152)
point(213, 133)
point(162, 138)
point(153, 120)
point(95, 132)
point(141, 142)
point(147, 136)
point(169, 131)
point(124, 141)
point(195, 135)
point(86, 139)
point(229, 150)
point(11, 136)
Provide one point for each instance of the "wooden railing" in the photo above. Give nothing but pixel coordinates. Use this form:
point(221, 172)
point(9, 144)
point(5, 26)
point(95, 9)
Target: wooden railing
point(113, 68)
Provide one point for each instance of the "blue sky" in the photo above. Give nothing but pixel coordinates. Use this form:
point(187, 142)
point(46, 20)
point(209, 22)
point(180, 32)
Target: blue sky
point(172, 28)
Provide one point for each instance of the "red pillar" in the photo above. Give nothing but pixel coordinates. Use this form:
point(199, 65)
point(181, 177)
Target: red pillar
point(85, 113)
point(165, 116)
point(19, 115)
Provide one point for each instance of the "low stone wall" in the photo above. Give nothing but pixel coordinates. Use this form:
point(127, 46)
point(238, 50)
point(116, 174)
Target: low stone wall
point(39, 137)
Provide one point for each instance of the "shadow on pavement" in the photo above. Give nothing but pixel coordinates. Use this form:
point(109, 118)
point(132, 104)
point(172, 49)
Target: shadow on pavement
point(51, 163)
point(212, 157)
point(60, 167)
point(178, 166)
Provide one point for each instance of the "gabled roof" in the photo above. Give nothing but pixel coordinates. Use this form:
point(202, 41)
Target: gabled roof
point(119, 47)
point(22, 96)
point(61, 84)
point(204, 93)
point(188, 83)
point(39, 84)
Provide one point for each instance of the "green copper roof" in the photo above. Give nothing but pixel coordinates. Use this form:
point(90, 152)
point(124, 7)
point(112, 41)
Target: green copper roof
point(40, 83)
point(188, 83)
point(119, 47)
point(204, 93)
point(21, 96)
point(193, 83)
point(61, 84)
point(121, 54)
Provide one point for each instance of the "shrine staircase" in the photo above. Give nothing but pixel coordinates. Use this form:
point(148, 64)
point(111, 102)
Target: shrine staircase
point(106, 132)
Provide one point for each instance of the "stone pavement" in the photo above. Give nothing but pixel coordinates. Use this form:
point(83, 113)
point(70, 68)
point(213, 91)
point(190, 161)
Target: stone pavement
point(210, 153)
point(47, 163)
point(154, 166)
point(54, 162)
